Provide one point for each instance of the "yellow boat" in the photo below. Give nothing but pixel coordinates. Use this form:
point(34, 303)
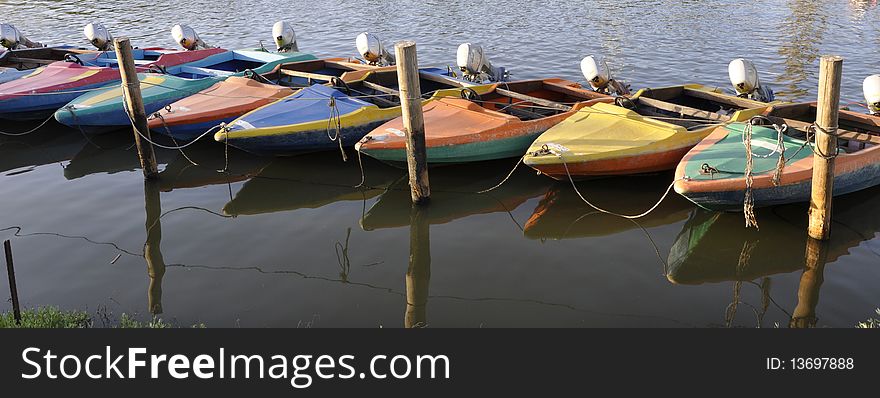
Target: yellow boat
point(648, 132)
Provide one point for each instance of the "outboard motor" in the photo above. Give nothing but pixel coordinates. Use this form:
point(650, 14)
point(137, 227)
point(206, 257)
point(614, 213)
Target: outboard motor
point(372, 50)
point(871, 88)
point(187, 38)
point(744, 77)
point(285, 37)
point(599, 76)
point(13, 39)
point(99, 36)
point(476, 67)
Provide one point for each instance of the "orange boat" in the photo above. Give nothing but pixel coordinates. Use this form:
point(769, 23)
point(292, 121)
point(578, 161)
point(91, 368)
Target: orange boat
point(192, 116)
point(488, 122)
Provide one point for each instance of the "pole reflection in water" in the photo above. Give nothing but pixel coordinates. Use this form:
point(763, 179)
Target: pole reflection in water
point(815, 258)
point(418, 275)
point(152, 249)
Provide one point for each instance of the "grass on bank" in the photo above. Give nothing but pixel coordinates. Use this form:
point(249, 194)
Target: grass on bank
point(55, 318)
point(871, 323)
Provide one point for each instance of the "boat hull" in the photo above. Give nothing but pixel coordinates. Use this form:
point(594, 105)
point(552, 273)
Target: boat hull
point(461, 131)
point(604, 140)
point(50, 88)
point(476, 151)
point(302, 122)
point(725, 189)
point(192, 116)
point(103, 110)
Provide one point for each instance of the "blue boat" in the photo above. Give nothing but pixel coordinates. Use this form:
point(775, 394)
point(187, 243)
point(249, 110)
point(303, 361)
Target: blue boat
point(191, 117)
point(307, 120)
point(104, 110)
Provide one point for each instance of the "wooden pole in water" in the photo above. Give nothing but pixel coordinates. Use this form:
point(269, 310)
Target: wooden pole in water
point(815, 257)
point(152, 246)
point(413, 120)
point(131, 87)
point(13, 290)
point(830, 68)
point(418, 275)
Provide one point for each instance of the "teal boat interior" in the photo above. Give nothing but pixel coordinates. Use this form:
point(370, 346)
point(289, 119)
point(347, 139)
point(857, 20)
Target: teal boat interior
point(228, 63)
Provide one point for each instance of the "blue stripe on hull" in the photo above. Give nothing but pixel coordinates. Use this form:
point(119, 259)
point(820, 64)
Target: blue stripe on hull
point(113, 117)
point(863, 178)
point(38, 106)
point(305, 141)
point(191, 131)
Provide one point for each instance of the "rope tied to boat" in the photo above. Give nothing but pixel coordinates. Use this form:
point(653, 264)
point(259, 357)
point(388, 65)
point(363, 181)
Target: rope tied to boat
point(158, 115)
point(749, 199)
point(335, 121)
point(832, 131)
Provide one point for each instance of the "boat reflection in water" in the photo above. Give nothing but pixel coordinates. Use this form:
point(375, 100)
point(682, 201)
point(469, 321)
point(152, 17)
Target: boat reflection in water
point(309, 182)
point(49, 144)
point(454, 195)
point(716, 247)
point(204, 164)
point(110, 154)
point(561, 214)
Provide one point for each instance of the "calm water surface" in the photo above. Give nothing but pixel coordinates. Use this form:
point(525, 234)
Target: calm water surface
point(289, 242)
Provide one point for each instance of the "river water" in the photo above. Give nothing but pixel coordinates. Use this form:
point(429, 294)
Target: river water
point(289, 242)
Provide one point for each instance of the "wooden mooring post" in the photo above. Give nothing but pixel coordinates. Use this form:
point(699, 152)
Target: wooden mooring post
point(413, 120)
point(13, 290)
point(131, 87)
point(830, 68)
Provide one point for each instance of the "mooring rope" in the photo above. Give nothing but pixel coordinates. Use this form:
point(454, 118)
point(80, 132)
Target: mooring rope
point(335, 121)
point(6, 133)
point(158, 115)
point(518, 162)
point(173, 148)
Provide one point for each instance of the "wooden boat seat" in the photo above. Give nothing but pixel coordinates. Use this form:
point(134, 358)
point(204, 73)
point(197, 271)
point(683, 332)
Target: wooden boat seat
point(682, 110)
point(473, 107)
point(205, 71)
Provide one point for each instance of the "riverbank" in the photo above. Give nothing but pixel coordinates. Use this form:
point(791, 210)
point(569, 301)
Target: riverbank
point(56, 318)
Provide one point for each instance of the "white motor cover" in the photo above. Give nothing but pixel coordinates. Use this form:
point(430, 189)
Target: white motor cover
point(11, 38)
point(187, 37)
point(596, 72)
point(743, 76)
point(871, 88)
point(471, 59)
point(284, 36)
point(370, 48)
point(99, 36)
point(473, 63)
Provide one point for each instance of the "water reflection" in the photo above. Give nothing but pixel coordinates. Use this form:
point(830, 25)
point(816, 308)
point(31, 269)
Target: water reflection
point(418, 274)
point(860, 8)
point(203, 165)
point(46, 146)
point(152, 246)
point(804, 28)
point(309, 182)
point(561, 214)
point(815, 258)
point(109, 154)
point(454, 195)
point(715, 247)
